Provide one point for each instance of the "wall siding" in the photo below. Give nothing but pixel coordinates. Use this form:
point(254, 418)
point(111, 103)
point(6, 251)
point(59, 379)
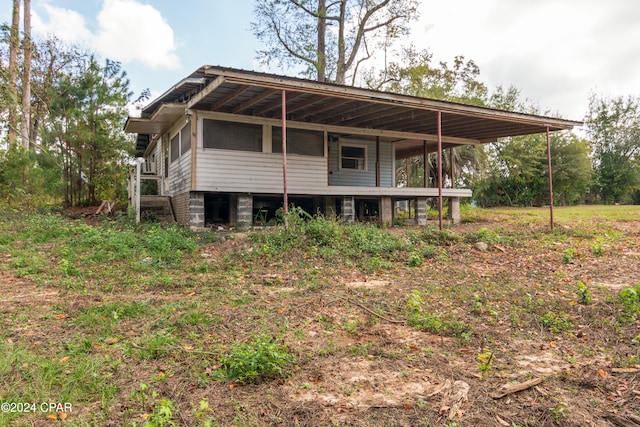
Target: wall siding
point(180, 204)
point(366, 178)
point(180, 174)
point(251, 172)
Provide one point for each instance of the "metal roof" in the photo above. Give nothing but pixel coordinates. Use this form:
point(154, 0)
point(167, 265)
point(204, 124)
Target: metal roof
point(406, 120)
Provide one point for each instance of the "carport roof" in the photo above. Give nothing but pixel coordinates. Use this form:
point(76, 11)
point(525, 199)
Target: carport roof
point(406, 120)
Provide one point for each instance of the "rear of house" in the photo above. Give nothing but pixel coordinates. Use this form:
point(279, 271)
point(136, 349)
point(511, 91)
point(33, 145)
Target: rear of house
point(214, 145)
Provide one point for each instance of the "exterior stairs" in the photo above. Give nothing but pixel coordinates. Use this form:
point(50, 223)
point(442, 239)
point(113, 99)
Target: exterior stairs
point(156, 208)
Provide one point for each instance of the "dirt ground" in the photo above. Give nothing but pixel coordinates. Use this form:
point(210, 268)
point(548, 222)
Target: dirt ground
point(360, 363)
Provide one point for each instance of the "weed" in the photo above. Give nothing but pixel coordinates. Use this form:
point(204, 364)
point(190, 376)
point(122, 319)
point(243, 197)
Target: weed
point(485, 360)
point(415, 259)
point(568, 255)
point(584, 294)
point(630, 300)
point(260, 359)
point(597, 249)
point(431, 322)
point(439, 237)
point(556, 322)
point(351, 326)
point(359, 350)
point(204, 414)
point(157, 345)
point(488, 236)
point(558, 411)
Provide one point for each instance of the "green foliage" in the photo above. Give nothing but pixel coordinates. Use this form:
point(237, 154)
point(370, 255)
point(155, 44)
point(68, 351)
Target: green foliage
point(420, 319)
point(329, 239)
point(415, 259)
point(485, 360)
point(85, 128)
point(614, 128)
point(260, 359)
point(162, 414)
point(568, 255)
point(584, 293)
point(28, 179)
point(630, 300)
point(556, 322)
point(78, 247)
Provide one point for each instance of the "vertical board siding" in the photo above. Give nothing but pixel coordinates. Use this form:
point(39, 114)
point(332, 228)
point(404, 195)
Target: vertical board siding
point(359, 178)
point(251, 172)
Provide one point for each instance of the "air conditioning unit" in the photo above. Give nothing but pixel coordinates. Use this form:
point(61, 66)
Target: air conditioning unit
point(149, 167)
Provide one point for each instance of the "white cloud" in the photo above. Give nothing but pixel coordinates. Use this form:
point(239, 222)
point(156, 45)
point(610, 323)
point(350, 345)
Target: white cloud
point(555, 51)
point(131, 31)
point(127, 31)
point(67, 25)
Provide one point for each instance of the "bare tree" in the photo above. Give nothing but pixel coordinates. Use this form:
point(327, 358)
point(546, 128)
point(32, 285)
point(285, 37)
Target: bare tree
point(25, 128)
point(14, 42)
point(329, 39)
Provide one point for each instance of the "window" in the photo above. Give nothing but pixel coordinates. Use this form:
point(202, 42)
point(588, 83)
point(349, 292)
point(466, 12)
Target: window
point(175, 148)
point(185, 138)
point(299, 141)
point(353, 157)
point(231, 135)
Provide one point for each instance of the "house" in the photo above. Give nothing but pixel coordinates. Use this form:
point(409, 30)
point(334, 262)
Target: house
point(232, 146)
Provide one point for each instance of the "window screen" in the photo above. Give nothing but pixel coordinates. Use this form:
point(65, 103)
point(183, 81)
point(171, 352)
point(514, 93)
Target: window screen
point(185, 138)
point(231, 135)
point(299, 141)
point(175, 148)
point(353, 157)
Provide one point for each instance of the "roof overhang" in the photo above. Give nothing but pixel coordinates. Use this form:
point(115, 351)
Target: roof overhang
point(406, 120)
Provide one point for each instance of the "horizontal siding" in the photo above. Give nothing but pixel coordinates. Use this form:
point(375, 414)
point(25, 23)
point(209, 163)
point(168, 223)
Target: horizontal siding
point(251, 172)
point(180, 174)
point(386, 164)
point(366, 178)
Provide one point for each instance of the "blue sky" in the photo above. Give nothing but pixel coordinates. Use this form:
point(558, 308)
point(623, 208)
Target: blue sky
point(556, 52)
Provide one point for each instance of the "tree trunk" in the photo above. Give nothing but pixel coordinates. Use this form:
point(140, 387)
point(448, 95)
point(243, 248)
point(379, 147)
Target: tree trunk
point(25, 128)
point(14, 42)
point(322, 49)
point(342, 47)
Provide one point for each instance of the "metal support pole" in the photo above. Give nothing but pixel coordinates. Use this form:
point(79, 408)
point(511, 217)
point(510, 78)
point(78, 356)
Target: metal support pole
point(550, 180)
point(440, 170)
point(284, 154)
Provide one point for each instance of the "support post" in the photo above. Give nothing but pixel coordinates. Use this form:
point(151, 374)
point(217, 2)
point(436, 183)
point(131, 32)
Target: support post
point(139, 162)
point(452, 167)
point(421, 211)
point(550, 180)
point(377, 161)
point(440, 170)
point(284, 156)
point(425, 164)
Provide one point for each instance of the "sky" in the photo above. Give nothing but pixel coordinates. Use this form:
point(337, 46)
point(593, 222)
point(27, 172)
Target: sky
point(556, 52)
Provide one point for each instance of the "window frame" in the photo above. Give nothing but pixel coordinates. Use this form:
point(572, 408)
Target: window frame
point(353, 145)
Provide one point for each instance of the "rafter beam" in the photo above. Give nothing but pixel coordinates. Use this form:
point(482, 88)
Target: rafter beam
point(215, 84)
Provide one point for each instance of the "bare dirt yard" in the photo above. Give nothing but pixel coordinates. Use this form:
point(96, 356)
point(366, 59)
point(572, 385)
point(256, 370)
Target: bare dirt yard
point(499, 321)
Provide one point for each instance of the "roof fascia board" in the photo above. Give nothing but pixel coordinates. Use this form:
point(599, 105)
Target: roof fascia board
point(164, 108)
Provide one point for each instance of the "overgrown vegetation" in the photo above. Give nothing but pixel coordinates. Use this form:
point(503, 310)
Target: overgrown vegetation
point(156, 325)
